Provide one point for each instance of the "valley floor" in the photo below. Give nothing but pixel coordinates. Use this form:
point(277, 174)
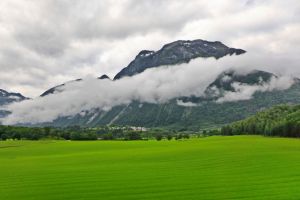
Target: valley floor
point(237, 167)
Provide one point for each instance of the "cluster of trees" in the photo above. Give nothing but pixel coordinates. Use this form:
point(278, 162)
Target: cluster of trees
point(211, 132)
point(36, 133)
point(179, 136)
point(117, 134)
point(124, 135)
point(282, 120)
point(80, 133)
point(69, 133)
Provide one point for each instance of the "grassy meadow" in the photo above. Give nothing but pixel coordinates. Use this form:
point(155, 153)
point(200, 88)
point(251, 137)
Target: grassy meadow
point(237, 167)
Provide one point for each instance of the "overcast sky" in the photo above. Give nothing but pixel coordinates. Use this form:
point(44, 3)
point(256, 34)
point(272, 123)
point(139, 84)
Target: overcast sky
point(48, 42)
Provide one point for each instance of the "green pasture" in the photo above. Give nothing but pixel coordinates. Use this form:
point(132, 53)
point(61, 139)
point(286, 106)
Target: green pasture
point(237, 167)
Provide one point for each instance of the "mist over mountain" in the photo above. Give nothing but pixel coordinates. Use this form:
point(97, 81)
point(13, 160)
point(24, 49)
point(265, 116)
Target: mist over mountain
point(201, 78)
point(8, 98)
point(191, 112)
point(47, 43)
point(175, 53)
point(224, 82)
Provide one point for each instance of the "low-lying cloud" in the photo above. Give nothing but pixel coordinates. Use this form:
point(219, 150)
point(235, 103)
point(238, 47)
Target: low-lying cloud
point(246, 92)
point(156, 85)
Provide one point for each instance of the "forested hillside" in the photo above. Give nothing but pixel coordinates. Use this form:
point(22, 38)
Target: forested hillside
point(282, 120)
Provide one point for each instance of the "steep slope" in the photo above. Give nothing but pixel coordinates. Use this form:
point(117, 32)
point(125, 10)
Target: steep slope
point(181, 51)
point(58, 88)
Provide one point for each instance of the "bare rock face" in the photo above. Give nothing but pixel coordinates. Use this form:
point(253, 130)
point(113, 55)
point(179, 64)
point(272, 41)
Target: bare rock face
point(181, 51)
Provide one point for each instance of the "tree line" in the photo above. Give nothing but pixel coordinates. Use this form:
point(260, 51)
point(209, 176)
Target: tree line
point(81, 133)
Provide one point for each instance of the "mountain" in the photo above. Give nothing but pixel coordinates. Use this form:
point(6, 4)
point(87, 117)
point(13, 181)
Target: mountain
point(191, 112)
point(178, 52)
point(7, 98)
point(188, 112)
point(181, 51)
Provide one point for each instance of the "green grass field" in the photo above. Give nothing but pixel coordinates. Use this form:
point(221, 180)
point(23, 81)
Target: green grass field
point(239, 167)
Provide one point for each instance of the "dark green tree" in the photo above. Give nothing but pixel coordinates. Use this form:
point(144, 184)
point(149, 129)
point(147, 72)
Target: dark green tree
point(159, 137)
point(169, 137)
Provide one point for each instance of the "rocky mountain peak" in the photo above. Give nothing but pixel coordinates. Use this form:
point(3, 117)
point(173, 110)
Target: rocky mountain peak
point(181, 51)
point(104, 76)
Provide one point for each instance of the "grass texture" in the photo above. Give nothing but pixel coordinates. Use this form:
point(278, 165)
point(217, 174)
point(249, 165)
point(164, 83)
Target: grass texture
point(237, 167)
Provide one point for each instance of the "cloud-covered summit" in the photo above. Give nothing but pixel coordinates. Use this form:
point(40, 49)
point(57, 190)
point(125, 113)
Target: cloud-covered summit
point(155, 85)
point(50, 42)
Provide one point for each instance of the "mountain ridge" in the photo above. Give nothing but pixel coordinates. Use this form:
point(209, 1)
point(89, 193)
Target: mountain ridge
point(186, 111)
point(177, 52)
point(183, 50)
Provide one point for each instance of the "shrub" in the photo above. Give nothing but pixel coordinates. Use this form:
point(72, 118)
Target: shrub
point(158, 137)
point(4, 137)
point(178, 137)
point(169, 137)
point(107, 136)
point(133, 135)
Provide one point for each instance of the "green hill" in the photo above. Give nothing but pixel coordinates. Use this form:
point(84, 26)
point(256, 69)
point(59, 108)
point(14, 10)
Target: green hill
point(282, 120)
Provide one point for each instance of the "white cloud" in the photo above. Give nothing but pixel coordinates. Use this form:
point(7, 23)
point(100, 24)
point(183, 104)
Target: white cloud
point(155, 85)
point(246, 92)
point(186, 104)
point(52, 41)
